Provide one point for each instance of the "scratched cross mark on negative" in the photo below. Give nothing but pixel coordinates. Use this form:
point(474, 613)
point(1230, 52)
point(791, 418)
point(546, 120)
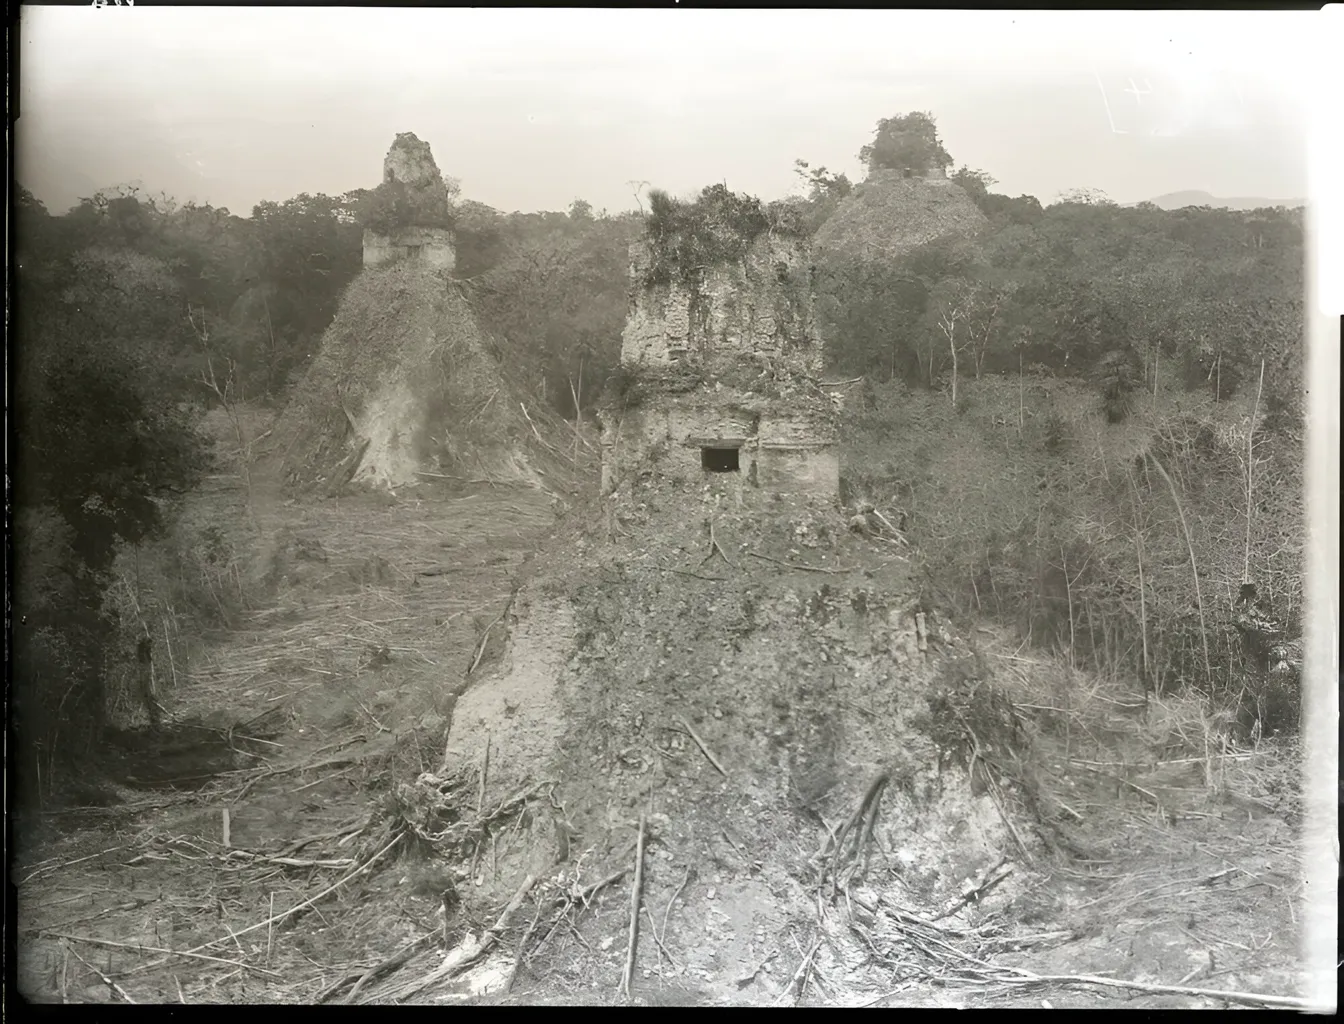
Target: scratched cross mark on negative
point(1184, 100)
point(1126, 116)
point(1138, 93)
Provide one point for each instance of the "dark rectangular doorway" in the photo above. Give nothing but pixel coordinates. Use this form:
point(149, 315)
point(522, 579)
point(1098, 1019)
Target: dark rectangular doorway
point(718, 460)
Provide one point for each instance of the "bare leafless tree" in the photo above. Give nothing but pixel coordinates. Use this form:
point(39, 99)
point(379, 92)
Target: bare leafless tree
point(225, 389)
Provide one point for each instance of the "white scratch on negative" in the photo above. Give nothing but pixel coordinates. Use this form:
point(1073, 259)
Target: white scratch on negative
point(1106, 101)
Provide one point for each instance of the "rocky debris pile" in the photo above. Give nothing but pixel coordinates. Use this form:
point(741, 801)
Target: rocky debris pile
point(764, 689)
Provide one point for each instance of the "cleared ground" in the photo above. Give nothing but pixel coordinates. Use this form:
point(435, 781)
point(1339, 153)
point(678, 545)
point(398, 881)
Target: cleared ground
point(295, 725)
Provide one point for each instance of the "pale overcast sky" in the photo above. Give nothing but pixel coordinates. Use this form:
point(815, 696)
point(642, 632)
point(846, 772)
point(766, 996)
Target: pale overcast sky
point(531, 108)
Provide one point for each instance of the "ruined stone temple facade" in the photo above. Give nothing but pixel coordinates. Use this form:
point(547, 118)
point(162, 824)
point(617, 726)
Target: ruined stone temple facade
point(432, 246)
point(410, 162)
point(937, 173)
point(725, 371)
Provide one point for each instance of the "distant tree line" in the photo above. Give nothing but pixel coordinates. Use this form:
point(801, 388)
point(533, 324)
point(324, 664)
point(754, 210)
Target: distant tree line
point(1081, 288)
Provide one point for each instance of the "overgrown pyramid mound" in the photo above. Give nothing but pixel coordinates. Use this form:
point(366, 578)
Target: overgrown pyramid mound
point(765, 691)
point(406, 386)
point(403, 389)
point(890, 214)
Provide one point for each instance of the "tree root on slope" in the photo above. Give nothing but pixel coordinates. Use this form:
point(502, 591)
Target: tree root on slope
point(848, 849)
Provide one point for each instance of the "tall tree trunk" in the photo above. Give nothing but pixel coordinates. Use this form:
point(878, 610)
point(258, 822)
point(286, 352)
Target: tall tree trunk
point(1194, 568)
point(1143, 593)
point(1250, 474)
point(1021, 396)
point(951, 343)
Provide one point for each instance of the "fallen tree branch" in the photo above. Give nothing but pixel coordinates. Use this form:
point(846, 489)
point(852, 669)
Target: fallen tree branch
point(696, 575)
point(1022, 977)
point(485, 769)
point(977, 756)
point(106, 980)
point(887, 523)
point(45, 867)
point(460, 479)
point(795, 985)
point(522, 945)
point(806, 568)
point(464, 956)
point(290, 862)
point(333, 761)
point(668, 909)
point(158, 949)
point(715, 546)
point(275, 919)
point(393, 962)
point(704, 747)
point(857, 832)
point(991, 881)
point(480, 647)
point(658, 939)
point(566, 903)
point(463, 832)
point(636, 892)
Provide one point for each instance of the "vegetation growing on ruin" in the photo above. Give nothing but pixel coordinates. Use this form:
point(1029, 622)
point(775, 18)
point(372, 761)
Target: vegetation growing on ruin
point(394, 206)
point(718, 227)
point(794, 321)
point(625, 390)
point(906, 142)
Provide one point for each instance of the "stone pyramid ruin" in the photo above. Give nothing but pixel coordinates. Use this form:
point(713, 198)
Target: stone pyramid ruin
point(404, 388)
point(712, 655)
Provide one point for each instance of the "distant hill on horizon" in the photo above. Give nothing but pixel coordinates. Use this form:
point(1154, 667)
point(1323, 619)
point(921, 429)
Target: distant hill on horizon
point(1177, 200)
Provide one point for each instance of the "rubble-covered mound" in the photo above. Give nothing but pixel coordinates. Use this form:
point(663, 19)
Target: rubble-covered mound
point(890, 214)
point(404, 389)
point(759, 684)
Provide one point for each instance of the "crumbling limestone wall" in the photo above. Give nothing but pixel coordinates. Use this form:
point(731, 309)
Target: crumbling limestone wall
point(747, 333)
point(797, 455)
point(761, 308)
point(785, 446)
point(431, 246)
